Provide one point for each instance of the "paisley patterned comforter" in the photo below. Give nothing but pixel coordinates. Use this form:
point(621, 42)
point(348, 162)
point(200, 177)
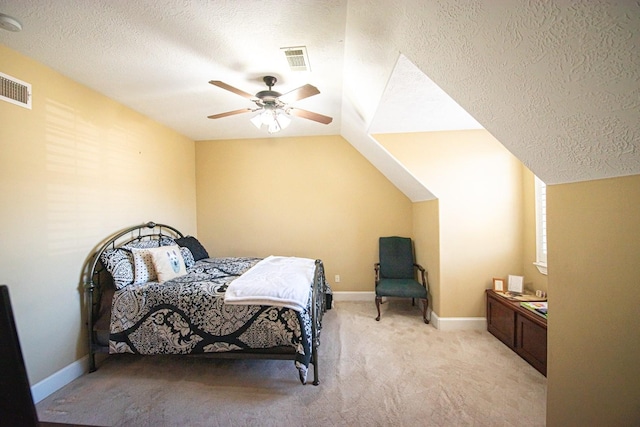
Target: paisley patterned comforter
point(187, 315)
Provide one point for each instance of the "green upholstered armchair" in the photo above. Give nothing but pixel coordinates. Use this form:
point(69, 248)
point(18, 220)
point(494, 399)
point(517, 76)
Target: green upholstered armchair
point(396, 275)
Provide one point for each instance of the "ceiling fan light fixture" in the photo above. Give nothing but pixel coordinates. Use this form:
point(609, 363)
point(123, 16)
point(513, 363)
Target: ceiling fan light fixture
point(268, 115)
point(274, 127)
point(283, 118)
point(273, 119)
point(257, 120)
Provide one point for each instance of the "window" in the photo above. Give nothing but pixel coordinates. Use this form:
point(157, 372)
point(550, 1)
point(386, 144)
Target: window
point(541, 226)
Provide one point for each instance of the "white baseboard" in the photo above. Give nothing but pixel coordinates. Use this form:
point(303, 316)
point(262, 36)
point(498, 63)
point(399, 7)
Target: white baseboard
point(354, 296)
point(458, 323)
point(59, 379)
point(440, 323)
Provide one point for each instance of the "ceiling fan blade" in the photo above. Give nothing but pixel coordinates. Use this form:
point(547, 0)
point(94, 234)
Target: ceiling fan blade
point(230, 113)
point(297, 94)
point(311, 116)
point(232, 89)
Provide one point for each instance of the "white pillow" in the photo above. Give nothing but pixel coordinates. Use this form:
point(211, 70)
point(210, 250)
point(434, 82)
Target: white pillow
point(143, 269)
point(168, 262)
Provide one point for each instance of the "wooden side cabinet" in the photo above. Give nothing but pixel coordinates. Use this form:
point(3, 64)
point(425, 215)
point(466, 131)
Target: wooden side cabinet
point(519, 329)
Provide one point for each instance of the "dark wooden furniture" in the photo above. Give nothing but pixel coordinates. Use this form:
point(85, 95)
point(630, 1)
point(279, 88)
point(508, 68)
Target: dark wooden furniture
point(520, 329)
point(17, 408)
point(16, 402)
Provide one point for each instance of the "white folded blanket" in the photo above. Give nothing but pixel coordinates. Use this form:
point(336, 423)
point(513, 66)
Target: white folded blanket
point(275, 280)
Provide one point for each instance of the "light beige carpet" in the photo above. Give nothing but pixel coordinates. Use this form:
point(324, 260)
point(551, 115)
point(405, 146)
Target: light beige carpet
point(396, 372)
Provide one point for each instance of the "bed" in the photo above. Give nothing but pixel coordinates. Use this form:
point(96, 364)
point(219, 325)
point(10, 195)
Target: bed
point(152, 290)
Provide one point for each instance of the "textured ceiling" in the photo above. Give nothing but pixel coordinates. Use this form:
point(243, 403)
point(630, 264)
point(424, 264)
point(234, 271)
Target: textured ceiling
point(412, 102)
point(157, 57)
point(557, 83)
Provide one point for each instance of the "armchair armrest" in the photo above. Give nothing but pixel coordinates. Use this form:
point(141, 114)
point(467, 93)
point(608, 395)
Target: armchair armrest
point(423, 275)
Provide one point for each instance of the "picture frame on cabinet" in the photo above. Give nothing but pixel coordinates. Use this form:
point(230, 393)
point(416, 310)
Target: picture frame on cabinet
point(515, 284)
point(498, 284)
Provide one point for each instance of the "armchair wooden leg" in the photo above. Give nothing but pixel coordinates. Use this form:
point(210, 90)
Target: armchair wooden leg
point(378, 301)
point(425, 304)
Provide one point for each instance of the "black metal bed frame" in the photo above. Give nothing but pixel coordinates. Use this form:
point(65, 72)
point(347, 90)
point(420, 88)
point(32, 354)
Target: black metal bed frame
point(99, 278)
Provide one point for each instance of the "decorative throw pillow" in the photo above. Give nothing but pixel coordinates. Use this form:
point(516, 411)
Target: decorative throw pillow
point(143, 268)
point(188, 257)
point(119, 264)
point(197, 250)
point(168, 262)
point(167, 241)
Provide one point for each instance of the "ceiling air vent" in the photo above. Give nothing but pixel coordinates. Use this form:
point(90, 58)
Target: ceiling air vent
point(297, 58)
point(15, 91)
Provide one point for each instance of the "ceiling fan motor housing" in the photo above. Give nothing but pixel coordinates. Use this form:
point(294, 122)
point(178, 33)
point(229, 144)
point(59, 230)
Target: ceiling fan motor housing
point(268, 96)
point(269, 81)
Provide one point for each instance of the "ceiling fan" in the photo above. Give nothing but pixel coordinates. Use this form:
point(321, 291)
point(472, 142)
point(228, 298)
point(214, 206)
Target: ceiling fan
point(273, 106)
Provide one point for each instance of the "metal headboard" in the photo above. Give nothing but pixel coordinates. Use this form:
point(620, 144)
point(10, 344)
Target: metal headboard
point(97, 275)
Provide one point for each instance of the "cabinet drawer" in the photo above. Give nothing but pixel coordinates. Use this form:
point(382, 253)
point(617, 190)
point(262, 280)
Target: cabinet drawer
point(531, 343)
point(501, 321)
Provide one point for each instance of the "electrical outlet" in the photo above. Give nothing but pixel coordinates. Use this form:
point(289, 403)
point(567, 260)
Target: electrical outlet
point(337, 278)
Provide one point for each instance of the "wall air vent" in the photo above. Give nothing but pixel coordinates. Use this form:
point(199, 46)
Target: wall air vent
point(297, 58)
point(15, 91)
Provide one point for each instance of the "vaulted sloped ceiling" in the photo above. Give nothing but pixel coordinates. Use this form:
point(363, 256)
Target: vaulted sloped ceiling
point(556, 82)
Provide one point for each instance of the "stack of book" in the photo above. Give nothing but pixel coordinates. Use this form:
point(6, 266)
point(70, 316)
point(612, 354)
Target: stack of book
point(516, 296)
point(538, 307)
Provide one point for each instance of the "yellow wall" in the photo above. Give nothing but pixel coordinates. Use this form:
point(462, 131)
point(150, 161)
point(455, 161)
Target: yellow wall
point(594, 303)
point(314, 197)
point(73, 170)
point(479, 187)
point(426, 236)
